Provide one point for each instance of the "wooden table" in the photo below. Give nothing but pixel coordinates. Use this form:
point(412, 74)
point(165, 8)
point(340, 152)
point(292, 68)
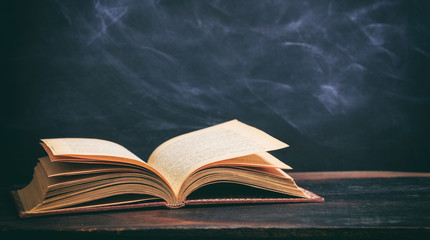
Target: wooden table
point(358, 205)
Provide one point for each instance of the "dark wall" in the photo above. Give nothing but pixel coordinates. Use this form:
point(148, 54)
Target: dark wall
point(345, 83)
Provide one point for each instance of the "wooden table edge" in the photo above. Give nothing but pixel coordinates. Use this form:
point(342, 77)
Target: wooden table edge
point(312, 176)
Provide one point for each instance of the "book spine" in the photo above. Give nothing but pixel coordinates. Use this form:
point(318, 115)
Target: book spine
point(175, 205)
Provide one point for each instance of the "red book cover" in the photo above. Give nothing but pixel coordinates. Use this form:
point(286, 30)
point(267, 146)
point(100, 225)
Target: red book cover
point(203, 201)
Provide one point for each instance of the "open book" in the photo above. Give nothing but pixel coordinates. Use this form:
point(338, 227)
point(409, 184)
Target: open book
point(81, 175)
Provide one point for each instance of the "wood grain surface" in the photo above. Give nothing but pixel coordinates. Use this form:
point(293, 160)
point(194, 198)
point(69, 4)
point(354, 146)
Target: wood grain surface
point(371, 207)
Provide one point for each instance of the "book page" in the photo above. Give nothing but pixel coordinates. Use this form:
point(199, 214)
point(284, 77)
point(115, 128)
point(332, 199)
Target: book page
point(55, 169)
point(178, 157)
point(263, 159)
point(88, 147)
point(89, 150)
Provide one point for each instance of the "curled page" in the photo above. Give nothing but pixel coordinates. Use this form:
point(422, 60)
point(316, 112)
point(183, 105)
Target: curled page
point(180, 156)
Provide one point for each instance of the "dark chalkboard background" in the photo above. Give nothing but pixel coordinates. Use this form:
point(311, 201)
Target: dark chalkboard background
point(345, 83)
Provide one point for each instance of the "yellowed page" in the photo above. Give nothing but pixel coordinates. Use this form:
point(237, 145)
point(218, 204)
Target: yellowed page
point(263, 159)
point(178, 157)
point(88, 147)
point(55, 169)
point(90, 150)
